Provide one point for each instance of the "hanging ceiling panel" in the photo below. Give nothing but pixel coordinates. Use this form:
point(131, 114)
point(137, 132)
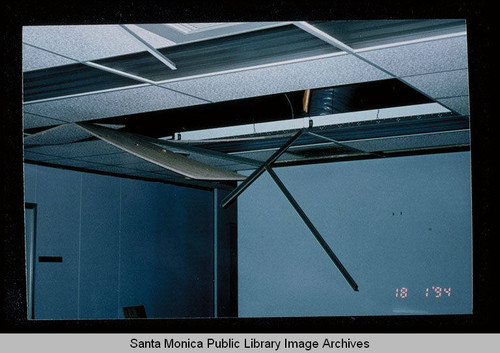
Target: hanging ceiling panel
point(76, 150)
point(61, 134)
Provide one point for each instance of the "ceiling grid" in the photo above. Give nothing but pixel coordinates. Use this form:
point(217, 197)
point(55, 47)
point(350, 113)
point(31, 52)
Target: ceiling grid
point(84, 73)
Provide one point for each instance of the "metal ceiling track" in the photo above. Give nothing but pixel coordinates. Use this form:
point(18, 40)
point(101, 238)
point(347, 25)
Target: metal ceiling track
point(267, 166)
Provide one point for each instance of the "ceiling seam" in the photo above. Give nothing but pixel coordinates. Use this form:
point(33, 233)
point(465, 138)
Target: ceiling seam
point(46, 117)
point(436, 72)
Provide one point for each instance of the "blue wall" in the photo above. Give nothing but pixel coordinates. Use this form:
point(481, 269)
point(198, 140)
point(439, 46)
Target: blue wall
point(124, 242)
point(394, 223)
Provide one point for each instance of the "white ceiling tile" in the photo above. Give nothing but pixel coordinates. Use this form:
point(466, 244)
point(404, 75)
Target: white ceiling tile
point(82, 42)
point(35, 59)
point(75, 150)
point(442, 84)
point(426, 140)
point(332, 71)
point(115, 103)
point(422, 58)
point(33, 121)
point(66, 133)
point(458, 104)
point(33, 156)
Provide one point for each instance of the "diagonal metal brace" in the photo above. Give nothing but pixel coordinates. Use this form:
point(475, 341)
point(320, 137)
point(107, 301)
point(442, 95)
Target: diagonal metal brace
point(313, 229)
point(257, 172)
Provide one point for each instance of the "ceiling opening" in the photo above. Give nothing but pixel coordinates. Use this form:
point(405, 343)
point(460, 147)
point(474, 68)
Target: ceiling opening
point(349, 98)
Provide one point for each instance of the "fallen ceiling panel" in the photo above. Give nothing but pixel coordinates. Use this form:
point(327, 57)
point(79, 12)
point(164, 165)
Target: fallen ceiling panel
point(143, 148)
point(59, 135)
point(76, 150)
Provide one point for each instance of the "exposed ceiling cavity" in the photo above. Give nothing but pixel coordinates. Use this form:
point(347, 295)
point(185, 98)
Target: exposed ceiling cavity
point(287, 105)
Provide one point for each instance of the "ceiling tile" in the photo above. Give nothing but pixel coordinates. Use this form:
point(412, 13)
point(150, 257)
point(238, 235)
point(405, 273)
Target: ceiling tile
point(332, 71)
point(35, 59)
point(122, 102)
point(61, 134)
point(82, 42)
point(458, 104)
point(33, 156)
point(437, 139)
point(75, 150)
point(442, 84)
point(33, 121)
point(422, 58)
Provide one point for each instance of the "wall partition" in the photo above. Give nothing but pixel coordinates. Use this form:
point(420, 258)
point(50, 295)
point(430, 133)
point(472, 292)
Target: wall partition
point(104, 243)
point(400, 226)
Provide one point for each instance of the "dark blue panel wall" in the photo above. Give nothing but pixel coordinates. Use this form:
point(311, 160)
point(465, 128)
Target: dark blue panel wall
point(123, 242)
point(57, 234)
point(169, 255)
point(99, 246)
point(394, 223)
point(227, 257)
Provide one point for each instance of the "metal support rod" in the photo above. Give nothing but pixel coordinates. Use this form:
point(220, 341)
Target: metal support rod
point(152, 50)
point(313, 229)
point(257, 172)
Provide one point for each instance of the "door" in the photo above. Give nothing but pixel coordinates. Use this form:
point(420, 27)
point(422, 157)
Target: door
point(30, 231)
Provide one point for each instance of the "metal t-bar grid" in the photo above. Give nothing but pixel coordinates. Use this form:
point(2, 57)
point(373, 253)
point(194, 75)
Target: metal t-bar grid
point(246, 183)
point(266, 166)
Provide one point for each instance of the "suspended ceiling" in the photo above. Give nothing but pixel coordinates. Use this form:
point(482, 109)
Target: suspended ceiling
point(157, 75)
